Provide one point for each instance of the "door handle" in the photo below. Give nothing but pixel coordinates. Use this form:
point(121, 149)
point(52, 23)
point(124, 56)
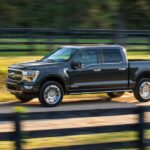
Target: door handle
point(121, 69)
point(96, 70)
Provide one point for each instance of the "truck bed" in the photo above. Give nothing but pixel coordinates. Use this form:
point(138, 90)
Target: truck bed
point(139, 60)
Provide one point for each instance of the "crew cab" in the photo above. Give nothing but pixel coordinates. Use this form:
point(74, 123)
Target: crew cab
point(77, 70)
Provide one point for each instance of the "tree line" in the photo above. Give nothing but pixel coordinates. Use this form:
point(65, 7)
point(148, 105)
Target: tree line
point(122, 14)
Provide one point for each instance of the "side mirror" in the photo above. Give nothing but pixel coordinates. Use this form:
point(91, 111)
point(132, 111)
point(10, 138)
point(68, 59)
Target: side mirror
point(76, 64)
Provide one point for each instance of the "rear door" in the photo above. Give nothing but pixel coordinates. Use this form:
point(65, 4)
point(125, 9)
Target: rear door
point(114, 71)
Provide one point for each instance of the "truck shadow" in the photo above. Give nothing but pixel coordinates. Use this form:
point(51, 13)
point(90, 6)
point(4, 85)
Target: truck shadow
point(74, 102)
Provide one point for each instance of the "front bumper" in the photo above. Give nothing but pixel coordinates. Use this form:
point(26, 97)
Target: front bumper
point(22, 88)
point(13, 88)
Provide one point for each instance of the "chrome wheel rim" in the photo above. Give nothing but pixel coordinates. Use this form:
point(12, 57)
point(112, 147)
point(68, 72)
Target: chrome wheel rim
point(52, 94)
point(145, 90)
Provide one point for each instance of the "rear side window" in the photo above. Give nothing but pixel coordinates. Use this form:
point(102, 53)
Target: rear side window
point(111, 56)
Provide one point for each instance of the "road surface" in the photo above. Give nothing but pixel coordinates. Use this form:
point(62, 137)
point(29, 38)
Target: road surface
point(76, 104)
point(125, 101)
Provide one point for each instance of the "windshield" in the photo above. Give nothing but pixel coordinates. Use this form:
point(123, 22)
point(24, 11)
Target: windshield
point(60, 55)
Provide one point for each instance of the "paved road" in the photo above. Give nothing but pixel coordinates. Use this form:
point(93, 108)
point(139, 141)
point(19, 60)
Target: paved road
point(76, 104)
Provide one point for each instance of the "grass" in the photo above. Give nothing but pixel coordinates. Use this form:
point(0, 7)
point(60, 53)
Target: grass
point(42, 49)
point(81, 139)
point(73, 140)
point(76, 140)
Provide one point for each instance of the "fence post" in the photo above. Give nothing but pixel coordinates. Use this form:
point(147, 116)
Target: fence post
point(141, 128)
point(18, 131)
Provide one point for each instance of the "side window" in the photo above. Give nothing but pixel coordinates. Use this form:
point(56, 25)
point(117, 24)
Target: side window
point(111, 56)
point(87, 57)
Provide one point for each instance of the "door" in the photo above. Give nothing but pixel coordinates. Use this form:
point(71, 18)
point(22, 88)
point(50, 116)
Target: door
point(114, 73)
point(86, 77)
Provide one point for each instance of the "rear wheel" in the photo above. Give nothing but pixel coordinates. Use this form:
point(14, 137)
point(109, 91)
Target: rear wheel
point(24, 98)
point(115, 94)
point(142, 90)
point(51, 94)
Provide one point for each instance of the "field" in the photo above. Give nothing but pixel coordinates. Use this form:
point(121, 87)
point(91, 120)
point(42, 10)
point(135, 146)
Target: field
point(73, 140)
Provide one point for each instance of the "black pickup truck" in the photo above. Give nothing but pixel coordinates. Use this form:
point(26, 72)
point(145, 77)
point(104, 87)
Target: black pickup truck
point(80, 69)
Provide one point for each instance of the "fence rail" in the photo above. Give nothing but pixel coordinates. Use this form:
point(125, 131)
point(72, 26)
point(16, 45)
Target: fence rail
point(31, 39)
point(139, 127)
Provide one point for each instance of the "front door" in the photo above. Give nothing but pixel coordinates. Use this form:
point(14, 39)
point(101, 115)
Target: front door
point(85, 78)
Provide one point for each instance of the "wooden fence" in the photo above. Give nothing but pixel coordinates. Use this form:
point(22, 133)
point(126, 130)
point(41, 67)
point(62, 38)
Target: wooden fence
point(140, 127)
point(38, 39)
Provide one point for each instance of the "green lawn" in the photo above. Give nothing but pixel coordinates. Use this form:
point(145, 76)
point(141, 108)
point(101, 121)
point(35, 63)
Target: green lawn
point(73, 140)
point(42, 49)
point(76, 140)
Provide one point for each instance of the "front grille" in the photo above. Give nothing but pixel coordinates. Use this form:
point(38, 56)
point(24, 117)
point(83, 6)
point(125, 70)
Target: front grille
point(15, 75)
point(11, 87)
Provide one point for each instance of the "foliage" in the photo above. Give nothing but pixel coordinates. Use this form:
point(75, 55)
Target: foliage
point(20, 109)
point(75, 14)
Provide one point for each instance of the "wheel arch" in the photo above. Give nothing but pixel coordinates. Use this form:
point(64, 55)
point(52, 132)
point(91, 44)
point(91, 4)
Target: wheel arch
point(145, 74)
point(55, 78)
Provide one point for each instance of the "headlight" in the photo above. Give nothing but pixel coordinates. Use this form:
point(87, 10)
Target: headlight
point(30, 76)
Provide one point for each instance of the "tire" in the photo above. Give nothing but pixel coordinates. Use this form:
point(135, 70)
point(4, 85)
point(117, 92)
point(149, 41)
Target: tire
point(115, 94)
point(24, 98)
point(51, 94)
point(142, 90)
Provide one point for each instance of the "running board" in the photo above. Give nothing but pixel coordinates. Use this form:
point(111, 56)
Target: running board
point(94, 92)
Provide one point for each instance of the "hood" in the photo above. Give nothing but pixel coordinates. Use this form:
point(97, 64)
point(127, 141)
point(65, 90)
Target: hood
point(33, 65)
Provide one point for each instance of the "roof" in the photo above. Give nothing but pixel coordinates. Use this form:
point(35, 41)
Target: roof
point(92, 46)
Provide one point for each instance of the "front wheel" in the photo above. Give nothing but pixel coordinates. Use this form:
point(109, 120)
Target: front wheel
point(24, 98)
point(51, 94)
point(115, 94)
point(142, 90)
